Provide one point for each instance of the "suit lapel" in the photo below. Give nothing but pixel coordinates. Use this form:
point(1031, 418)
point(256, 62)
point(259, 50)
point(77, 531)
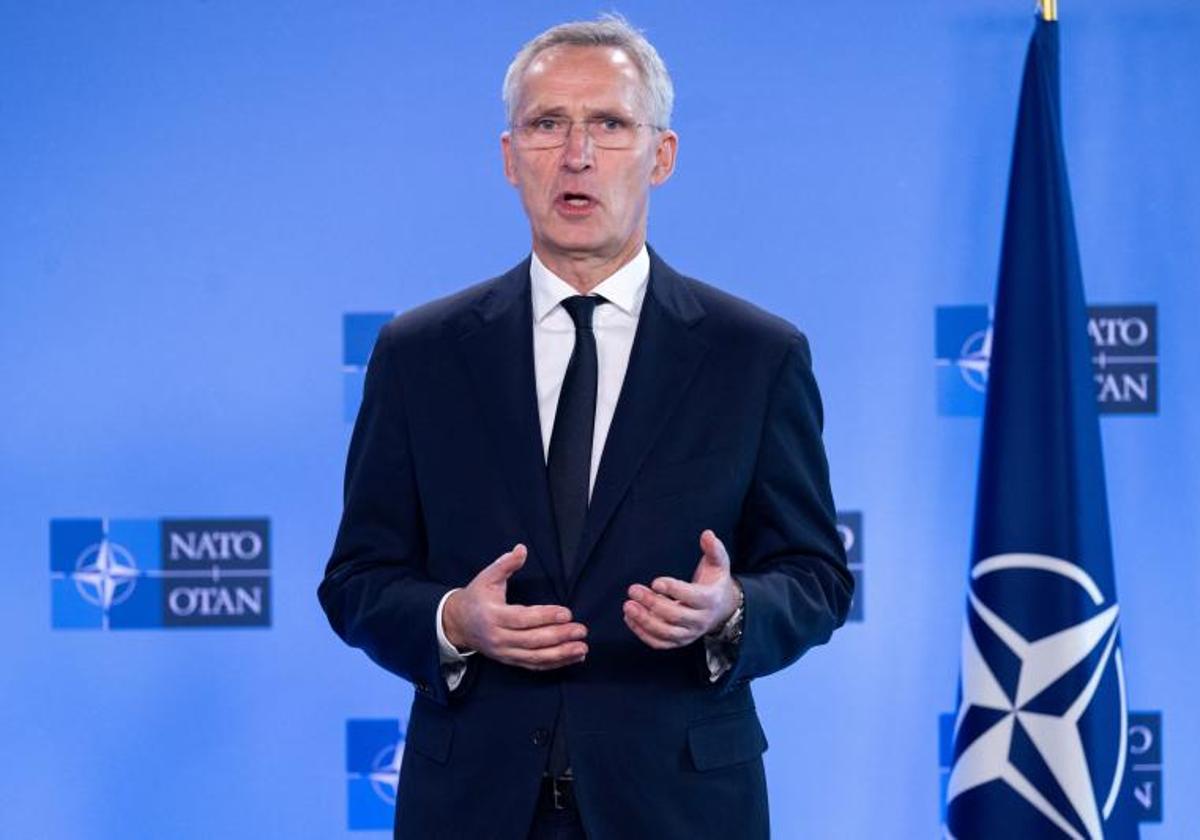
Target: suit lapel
point(665, 356)
point(496, 343)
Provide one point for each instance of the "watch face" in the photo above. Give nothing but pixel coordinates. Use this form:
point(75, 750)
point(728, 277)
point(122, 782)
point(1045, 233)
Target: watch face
point(732, 631)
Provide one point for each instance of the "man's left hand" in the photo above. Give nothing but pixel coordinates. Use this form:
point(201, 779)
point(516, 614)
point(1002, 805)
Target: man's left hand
point(671, 613)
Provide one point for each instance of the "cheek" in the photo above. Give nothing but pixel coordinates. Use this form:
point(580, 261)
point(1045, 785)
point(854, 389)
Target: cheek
point(533, 178)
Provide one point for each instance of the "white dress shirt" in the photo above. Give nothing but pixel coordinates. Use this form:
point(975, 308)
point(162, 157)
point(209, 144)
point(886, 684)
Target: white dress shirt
point(614, 324)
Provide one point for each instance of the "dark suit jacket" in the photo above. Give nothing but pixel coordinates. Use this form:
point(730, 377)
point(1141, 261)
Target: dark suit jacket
point(718, 426)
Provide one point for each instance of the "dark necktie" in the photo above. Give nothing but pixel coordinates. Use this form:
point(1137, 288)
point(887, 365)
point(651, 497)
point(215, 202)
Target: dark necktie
point(569, 463)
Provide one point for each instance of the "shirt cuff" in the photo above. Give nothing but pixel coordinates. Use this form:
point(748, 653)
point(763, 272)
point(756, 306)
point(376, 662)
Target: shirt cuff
point(454, 661)
point(719, 660)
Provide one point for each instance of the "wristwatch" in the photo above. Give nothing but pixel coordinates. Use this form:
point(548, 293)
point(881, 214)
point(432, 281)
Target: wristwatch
point(731, 632)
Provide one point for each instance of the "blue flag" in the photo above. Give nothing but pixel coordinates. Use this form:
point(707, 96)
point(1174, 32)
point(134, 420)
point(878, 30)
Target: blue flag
point(1040, 731)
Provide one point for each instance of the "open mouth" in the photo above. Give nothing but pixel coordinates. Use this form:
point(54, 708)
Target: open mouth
point(576, 200)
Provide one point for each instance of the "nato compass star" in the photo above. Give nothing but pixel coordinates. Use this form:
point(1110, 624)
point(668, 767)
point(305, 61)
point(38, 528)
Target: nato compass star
point(974, 358)
point(385, 772)
point(105, 575)
point(998, 713)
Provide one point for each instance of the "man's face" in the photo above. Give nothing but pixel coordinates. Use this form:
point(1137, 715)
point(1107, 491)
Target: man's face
point(585, 202)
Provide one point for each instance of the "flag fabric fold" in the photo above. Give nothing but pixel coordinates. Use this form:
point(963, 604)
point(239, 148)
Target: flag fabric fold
point(1040, 730)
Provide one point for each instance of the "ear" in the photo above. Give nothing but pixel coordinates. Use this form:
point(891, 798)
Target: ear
point(664, 157)
point(506, 151)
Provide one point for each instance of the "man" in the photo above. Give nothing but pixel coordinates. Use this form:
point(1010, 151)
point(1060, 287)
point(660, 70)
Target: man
point(586, 501)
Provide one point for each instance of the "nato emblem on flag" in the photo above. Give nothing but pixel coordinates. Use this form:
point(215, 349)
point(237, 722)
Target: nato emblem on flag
point(1040, 732)
point(374, 749)
point(359, 331)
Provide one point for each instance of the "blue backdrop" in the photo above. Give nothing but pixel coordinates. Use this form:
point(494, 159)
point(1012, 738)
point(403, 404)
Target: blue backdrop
point(195, 194)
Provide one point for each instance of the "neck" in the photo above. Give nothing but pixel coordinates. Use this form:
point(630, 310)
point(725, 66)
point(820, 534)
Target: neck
point(584, 272)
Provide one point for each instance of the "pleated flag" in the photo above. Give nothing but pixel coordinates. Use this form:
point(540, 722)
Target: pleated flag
point(1040, 731)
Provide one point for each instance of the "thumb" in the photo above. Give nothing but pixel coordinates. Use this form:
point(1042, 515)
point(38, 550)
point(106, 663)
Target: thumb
point(714, 550)
point(503, 567)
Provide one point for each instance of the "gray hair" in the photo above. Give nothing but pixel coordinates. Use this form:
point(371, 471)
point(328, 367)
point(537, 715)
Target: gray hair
point(609, 30)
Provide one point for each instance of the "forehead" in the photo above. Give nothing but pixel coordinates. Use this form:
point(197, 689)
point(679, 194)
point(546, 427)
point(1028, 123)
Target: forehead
point(585, 77)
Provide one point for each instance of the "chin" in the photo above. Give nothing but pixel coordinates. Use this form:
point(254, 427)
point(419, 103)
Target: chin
point(576, 242)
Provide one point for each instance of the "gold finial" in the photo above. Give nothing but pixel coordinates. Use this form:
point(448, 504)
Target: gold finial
point(1049, 9)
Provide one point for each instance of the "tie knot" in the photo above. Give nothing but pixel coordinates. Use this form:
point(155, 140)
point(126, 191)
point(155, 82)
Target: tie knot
point(580, 308)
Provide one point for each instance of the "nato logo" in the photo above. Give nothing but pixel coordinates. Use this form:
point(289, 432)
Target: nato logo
point(374, 750)
point(121, 574)
point(963, 347)
point(850, 528)
point(359, 331)
point(1143, 748)
point(1042, 717)
point(1124, 358)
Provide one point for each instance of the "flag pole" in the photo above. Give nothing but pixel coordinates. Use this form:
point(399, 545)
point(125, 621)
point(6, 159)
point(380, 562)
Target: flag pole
point(1049, 9)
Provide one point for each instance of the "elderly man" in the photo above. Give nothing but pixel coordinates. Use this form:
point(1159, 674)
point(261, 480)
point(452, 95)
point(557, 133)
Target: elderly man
point(586, 501)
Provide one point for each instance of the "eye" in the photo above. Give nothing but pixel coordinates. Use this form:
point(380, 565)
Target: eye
point(612, 125)
point(545, 125)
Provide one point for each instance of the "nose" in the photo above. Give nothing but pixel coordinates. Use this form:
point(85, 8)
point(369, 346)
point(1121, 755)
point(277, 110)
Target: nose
point(579, 150)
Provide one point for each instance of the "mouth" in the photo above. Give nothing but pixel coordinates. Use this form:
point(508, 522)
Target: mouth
point(571, 203)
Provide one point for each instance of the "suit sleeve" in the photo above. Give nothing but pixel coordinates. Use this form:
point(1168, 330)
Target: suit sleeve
point(376, 591)
point(787, 552)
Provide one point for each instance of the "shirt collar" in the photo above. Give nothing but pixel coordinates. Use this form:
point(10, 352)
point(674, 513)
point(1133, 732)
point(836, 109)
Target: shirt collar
point(625, 288)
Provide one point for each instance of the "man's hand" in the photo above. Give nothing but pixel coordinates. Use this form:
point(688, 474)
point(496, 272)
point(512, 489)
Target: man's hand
point(672, 613)
point(538, 638)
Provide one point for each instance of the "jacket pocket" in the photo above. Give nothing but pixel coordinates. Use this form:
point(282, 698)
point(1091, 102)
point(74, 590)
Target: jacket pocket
point(727, 740)
point(430, 736)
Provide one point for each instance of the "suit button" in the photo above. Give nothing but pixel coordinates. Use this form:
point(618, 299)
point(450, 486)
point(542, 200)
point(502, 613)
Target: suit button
point(540, 737)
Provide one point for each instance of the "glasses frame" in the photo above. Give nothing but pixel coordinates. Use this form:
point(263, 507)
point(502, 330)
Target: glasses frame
point(515, 130)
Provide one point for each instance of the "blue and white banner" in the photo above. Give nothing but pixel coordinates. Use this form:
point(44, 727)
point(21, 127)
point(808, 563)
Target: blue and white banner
point(374, 750)
point(139, 574)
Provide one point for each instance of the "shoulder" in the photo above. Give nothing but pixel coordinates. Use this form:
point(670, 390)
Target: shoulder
point(455, 312)
point(732, 321)
point(730, 312)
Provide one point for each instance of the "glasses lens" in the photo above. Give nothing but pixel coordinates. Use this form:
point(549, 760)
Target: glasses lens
point(606, 133)
point(612, 134)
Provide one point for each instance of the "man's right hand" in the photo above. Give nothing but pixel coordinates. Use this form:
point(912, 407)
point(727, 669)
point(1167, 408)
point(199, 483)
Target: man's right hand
point(538, 638)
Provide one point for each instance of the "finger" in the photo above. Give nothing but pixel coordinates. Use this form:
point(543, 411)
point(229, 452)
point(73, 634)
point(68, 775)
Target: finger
point(504, 566)
point(688, 594)
point(670, 611)
point(648, 635)
point(714, 549)
point(647, 638)
point(517, 617)
point(544, 659)
point(672, 634)
point(541, 637)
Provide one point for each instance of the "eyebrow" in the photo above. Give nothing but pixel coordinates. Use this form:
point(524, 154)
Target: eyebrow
point(593, 113)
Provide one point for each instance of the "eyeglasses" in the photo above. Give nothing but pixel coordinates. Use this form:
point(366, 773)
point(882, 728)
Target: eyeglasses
point(552, 132)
